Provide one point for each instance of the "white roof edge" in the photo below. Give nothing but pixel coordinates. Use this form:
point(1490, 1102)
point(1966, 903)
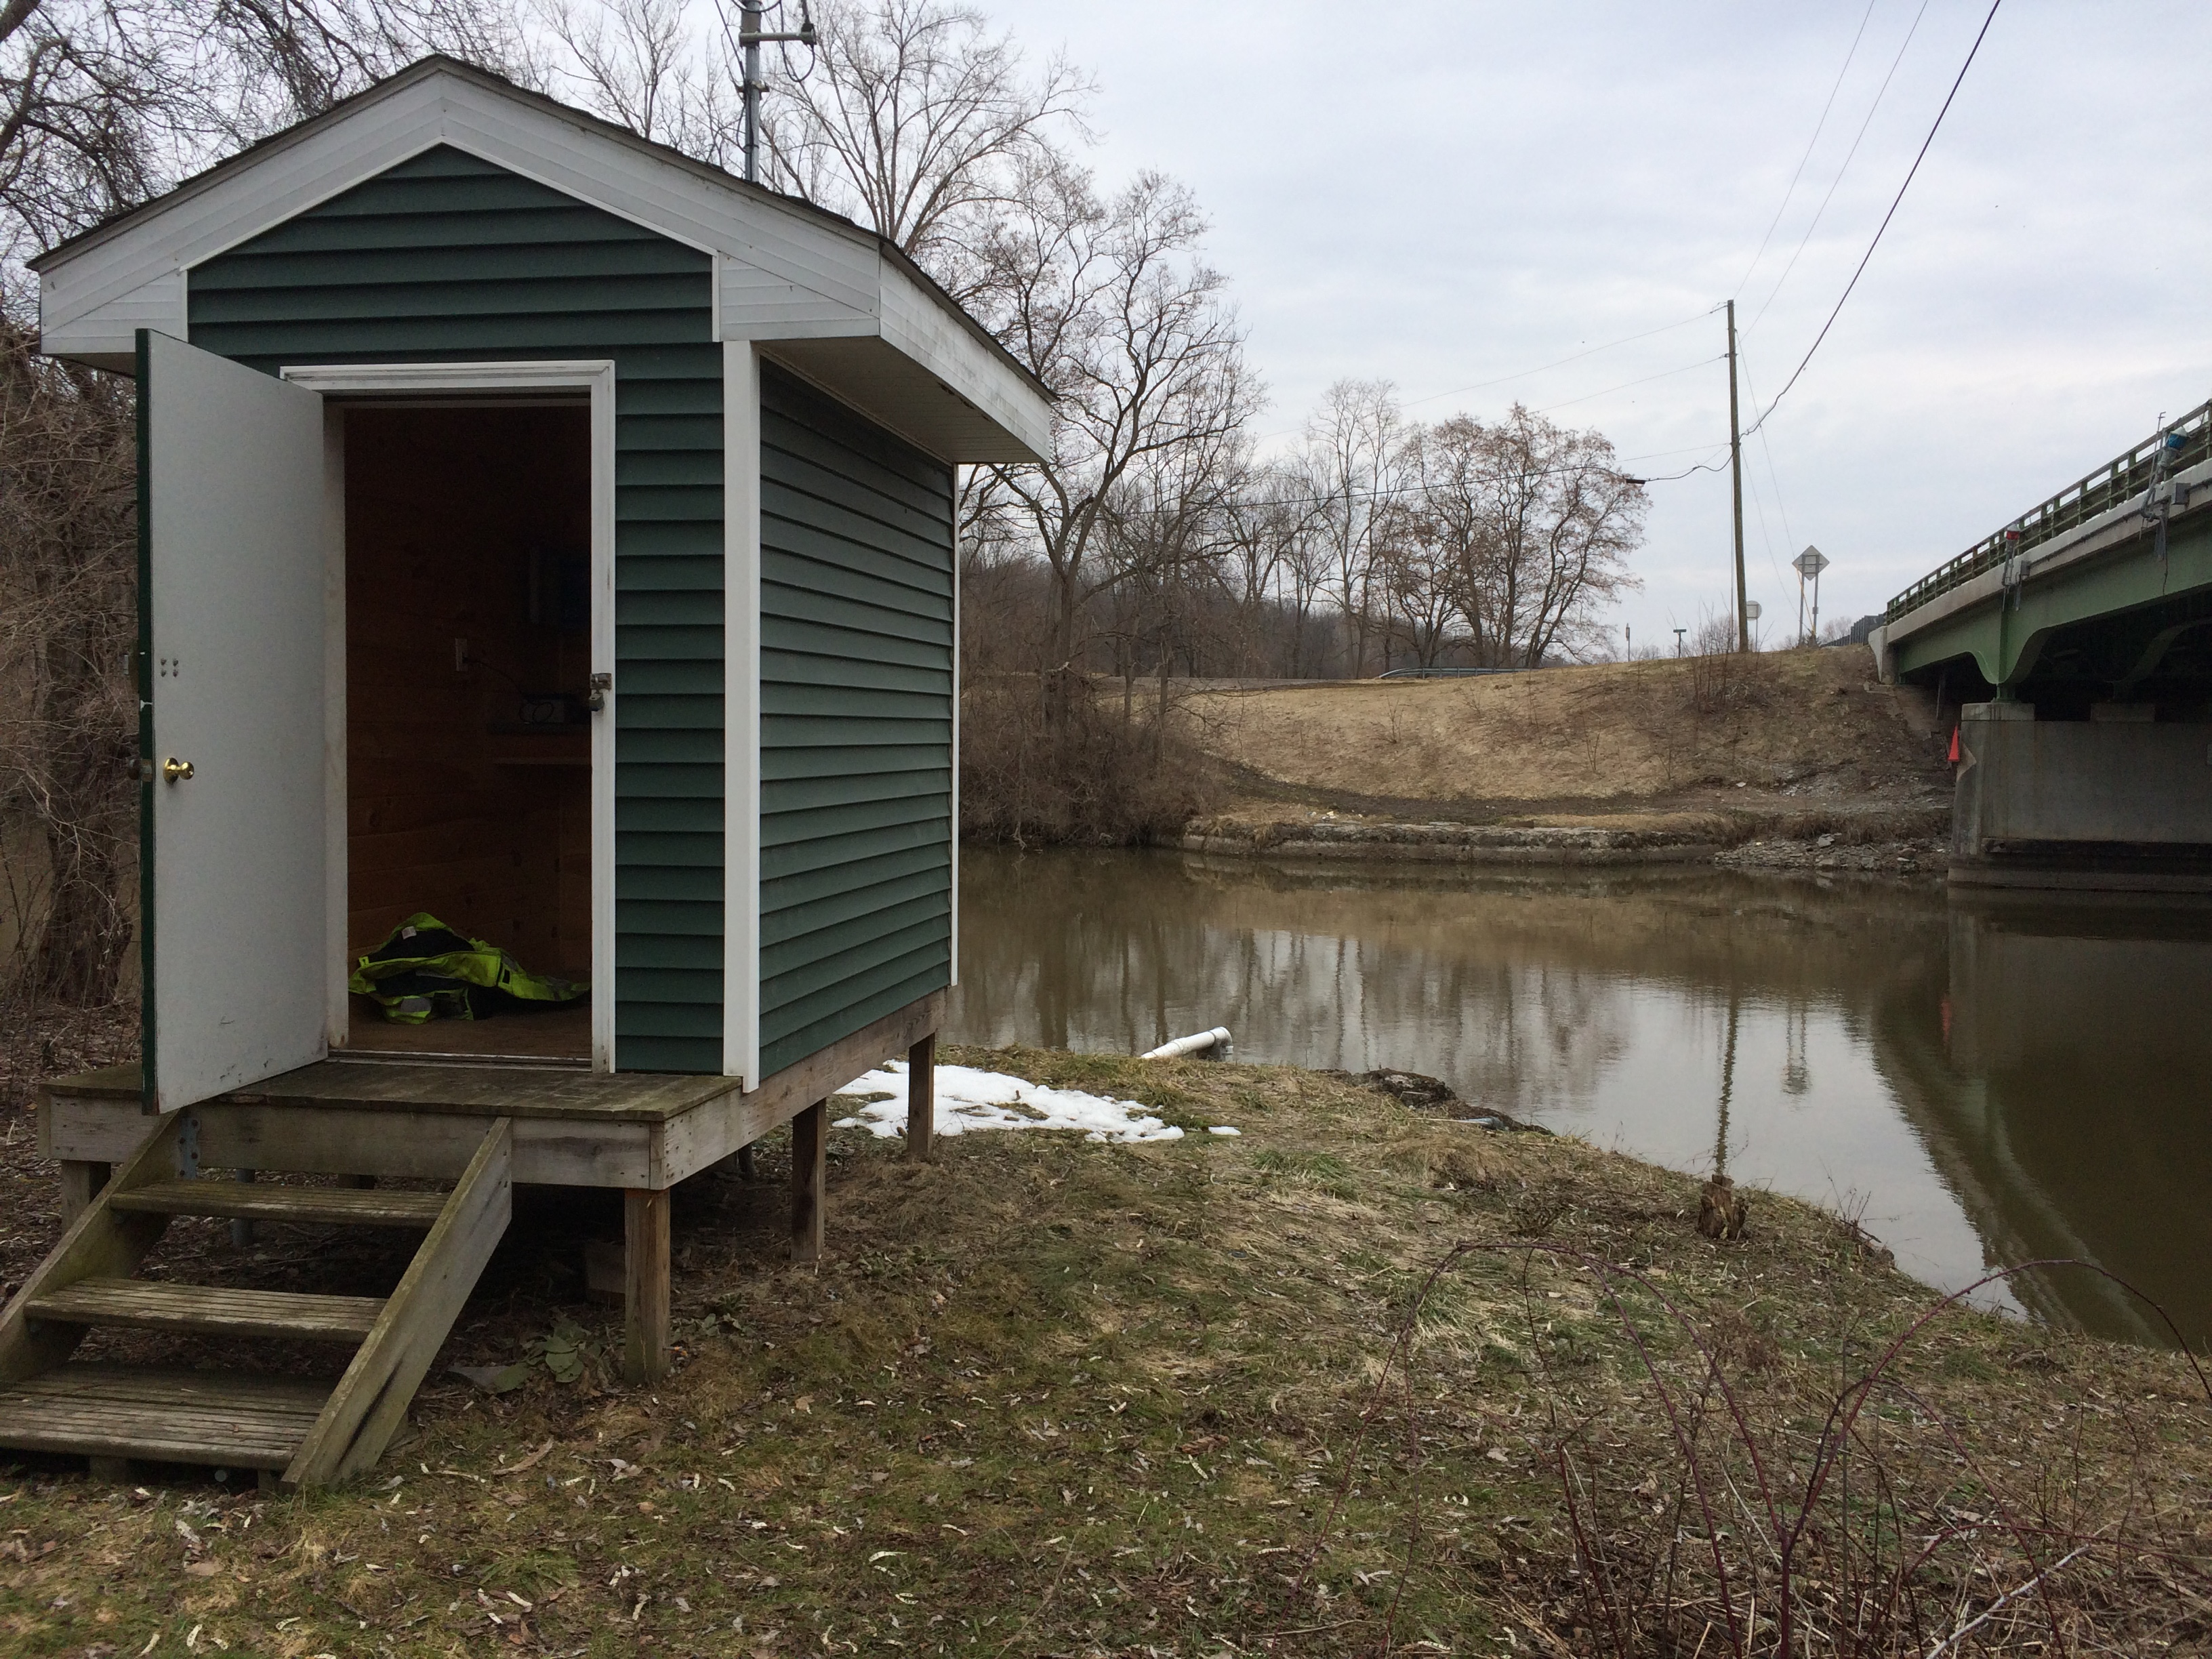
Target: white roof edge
point(785, 269)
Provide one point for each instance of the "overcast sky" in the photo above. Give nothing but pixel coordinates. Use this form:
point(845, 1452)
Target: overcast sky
point(1442, 193)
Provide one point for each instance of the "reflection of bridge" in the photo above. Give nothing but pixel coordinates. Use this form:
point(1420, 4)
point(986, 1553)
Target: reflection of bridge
point(2059, 1091)
point(2079, 640)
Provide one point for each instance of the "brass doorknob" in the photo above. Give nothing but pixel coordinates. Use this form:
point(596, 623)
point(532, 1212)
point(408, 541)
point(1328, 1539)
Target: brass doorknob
point(176, 771)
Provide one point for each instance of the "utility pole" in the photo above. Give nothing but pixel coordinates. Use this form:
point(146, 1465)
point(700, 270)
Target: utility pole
point(1736, 471)
point(1678, 640)
point(750, 37)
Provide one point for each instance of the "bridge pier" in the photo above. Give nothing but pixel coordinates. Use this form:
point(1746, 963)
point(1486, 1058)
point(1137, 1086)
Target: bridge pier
point(2119, 802)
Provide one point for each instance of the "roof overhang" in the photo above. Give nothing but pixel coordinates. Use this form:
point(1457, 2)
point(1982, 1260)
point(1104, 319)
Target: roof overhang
point(836, 302)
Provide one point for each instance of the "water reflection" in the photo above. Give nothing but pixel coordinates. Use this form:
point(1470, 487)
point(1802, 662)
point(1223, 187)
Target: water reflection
point(1992, 1082)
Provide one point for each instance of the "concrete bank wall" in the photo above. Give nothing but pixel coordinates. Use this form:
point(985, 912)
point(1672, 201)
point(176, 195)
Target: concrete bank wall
point(1427, 844)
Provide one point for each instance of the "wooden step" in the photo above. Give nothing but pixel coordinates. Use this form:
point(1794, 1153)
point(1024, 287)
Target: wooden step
point(154, 1305)
point(261, 1201)
point(227, 1418)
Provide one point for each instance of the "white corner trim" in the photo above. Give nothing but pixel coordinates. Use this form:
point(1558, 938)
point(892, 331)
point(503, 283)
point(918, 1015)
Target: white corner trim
point(954, 478)
point(741, 722)
point(596, 378)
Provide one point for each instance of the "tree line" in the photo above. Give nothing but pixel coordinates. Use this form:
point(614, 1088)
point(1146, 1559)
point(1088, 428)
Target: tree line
point(1158, 539)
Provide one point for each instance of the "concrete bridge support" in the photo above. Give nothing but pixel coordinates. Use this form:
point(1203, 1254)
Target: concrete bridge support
point(2119, 803)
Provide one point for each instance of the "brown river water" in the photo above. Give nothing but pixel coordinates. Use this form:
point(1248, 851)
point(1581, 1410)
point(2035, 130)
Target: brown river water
point(1987, 1080)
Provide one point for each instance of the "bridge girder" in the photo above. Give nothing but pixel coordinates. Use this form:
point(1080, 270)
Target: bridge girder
point(2122, 613)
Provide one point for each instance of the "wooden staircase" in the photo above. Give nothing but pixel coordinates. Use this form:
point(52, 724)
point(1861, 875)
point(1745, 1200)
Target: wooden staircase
point(304, 1433)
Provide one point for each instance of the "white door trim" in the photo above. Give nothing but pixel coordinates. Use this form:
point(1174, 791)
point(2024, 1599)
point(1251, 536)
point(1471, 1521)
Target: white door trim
point(596, 378)
point(741, 756)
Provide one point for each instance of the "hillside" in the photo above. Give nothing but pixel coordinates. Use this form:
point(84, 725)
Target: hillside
point(1806, 739)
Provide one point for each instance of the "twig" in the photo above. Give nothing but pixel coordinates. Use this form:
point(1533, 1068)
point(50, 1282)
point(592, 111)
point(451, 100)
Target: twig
point(1990, 1612)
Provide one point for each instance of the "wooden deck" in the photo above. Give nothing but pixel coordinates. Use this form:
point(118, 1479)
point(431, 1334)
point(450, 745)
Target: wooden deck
point(424, 1119)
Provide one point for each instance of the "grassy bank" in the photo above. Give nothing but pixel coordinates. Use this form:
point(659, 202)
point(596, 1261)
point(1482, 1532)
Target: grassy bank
point(1205, 1396)
point(1725, 749)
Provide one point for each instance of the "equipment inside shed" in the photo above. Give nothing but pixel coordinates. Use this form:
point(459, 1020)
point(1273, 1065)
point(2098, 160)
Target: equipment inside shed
point(468, 729)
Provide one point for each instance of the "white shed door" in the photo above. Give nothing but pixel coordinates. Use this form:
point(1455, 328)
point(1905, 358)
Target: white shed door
point(231, 506)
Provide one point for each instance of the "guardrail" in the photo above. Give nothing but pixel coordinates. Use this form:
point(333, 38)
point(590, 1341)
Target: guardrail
point(2102, 490)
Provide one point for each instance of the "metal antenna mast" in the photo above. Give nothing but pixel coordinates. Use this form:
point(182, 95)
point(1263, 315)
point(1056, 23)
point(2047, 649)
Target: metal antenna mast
point(751, 37)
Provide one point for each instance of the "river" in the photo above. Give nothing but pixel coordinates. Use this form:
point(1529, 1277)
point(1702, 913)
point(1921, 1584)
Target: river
point(1986, 1080)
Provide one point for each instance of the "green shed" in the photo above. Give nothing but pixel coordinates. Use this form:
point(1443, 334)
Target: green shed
point(548, 534)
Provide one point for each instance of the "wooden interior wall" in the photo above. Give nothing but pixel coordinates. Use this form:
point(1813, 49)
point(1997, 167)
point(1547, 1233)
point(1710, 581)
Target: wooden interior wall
point(454, 805)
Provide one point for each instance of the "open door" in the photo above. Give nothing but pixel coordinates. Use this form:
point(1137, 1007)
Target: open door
point(232, 900)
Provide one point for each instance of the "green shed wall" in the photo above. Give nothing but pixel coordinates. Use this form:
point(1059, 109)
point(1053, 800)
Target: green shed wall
point(856, 721)
point(448, 258)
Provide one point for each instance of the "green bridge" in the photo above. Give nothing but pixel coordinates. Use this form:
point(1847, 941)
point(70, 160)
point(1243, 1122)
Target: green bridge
point(2073, 649)
point(2090, 597)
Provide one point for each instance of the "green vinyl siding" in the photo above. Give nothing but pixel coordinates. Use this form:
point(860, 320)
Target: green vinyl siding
point(448, 258)
point(856, 722)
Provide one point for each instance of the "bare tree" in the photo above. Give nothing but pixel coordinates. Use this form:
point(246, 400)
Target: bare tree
point(1110, 305)
point(104, 103)
point(1552, 521)
point(917, 121)
point(1351, 441)
point(638, 64)
point(1415, 572)
point(68, 713)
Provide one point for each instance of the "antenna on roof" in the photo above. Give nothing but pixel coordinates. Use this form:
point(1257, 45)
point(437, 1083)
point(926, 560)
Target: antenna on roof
point(751, 37)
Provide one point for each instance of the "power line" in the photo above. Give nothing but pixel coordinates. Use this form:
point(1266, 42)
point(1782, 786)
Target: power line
point(1522, 374)
point(1662, 375)
point(1818, 127)
point(1886, 217)
point(1849, 155)
point(1485, 386)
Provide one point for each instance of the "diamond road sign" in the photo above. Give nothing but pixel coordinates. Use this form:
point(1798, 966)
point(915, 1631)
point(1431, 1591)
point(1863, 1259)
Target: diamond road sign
point(1811, 562)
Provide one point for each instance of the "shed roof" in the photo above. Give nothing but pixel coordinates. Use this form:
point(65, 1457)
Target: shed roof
point(840, 304)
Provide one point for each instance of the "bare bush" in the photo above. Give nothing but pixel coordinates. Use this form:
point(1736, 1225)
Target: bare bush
point(1739, 1503)
point(68, 715)
point(1038, 767)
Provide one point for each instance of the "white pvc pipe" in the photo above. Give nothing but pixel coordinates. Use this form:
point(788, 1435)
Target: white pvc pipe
point(1188, 1045)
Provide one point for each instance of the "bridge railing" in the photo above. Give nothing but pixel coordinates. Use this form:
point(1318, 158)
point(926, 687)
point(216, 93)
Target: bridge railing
point(2103, 490)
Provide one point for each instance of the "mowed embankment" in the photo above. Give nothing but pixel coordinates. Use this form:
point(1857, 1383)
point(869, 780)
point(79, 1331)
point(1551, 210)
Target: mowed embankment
point(1721, 750)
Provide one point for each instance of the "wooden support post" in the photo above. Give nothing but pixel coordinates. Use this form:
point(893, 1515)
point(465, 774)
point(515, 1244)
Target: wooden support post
point(81, 1184)
point(645, 1284)
point(241, 1230)
point(921, 1097)
point(810, 1169)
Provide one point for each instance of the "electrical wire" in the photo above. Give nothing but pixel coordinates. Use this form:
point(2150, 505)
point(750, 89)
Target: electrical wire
point(1522, 374)
point(1886, 217)
point(1662, 375)
point(1818, 127)
point(1849, 155)
point(1485, 386)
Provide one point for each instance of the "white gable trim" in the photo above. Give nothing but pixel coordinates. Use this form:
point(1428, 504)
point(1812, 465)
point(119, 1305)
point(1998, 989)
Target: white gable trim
point(780, 271)
point(382, 133)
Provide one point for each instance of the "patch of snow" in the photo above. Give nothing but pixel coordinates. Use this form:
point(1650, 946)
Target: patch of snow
point(1223, 1129)
point(967, 1100)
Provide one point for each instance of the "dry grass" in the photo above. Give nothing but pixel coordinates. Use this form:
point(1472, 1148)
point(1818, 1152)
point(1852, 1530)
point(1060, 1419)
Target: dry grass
point(1814, 721)
point(1054, 1398)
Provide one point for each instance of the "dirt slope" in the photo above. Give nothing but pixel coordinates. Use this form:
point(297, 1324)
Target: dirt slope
point(1798, 733)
